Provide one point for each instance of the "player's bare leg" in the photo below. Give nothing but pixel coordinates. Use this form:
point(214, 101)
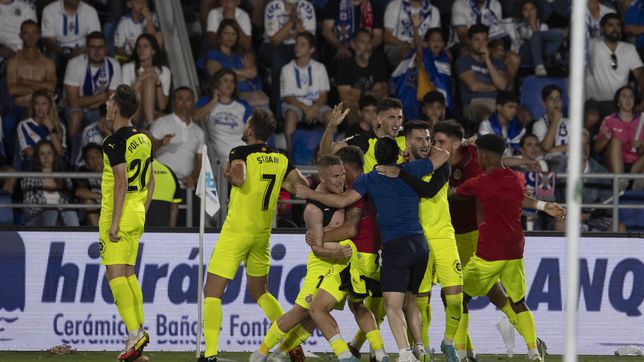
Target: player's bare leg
point(129, 301)
point(398, 307)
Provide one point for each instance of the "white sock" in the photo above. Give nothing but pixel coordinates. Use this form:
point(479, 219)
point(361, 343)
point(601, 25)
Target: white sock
point(419, 347)
point(133, 333)
point(462, 354)
point(380, 354)
point(533, 352)
point(405, 354)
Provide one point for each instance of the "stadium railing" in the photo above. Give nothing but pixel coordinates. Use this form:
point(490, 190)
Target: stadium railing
point(222, 186)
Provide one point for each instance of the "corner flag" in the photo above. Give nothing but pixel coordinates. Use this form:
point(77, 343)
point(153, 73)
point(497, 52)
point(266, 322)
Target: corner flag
point(206, 185)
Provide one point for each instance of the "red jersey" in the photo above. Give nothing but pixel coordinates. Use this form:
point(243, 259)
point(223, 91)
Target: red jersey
point(368, 238)
point(463, 212)
point(500, 192)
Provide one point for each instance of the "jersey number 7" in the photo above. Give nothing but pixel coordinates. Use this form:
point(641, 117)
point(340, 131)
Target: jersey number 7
point(270, 178)
point(132, 184)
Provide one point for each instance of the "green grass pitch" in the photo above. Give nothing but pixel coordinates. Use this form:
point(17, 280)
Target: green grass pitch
point(234, 357)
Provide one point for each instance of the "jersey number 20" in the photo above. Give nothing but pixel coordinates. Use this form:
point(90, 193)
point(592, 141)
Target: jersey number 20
point(132, 183)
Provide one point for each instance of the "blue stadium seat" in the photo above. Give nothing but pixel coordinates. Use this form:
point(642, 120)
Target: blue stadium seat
point(531, 94)
point(632, 218)
point(6, 213)
point(304, 143)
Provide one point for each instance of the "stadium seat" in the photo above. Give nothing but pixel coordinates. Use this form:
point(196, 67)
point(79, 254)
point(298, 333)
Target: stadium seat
point(531, 94)
point(632, 218)
point(305, 141)
point(6, 213)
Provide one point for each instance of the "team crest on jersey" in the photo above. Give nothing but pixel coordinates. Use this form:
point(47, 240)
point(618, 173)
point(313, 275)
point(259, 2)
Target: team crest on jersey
point(101, 247)
point(457, 174)
point(457, 266)
point(309, 299)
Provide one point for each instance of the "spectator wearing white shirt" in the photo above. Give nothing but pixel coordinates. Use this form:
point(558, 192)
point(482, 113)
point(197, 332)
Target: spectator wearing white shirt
point(138, 21)
point(178, 139)
point(610, 63)
point(89, 80)
point(466, 13)
point(65, 27)
point(12, 14)
point(283, 19)
point(399, 27)
point(223, 115)
point(229, 9)
point(148, 74)
point(304, 85)
point(552, 129)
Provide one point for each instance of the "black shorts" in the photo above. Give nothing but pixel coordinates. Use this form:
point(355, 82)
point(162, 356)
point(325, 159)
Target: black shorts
point(404, 261)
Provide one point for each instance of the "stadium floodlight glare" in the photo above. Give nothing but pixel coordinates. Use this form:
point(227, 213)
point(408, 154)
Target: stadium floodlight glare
point(573, 192)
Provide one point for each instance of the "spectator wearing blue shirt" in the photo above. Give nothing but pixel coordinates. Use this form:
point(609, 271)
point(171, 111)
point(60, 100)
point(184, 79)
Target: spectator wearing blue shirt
point(634, 24)
point(404, 251)
point(480, 77)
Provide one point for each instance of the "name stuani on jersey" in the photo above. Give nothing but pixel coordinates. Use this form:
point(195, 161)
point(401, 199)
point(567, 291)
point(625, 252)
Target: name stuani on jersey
point(267, 159)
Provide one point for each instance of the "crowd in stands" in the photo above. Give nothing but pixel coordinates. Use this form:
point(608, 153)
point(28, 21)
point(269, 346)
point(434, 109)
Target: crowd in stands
point(495, 66)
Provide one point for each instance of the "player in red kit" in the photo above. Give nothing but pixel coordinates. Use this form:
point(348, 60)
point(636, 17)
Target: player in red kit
point(499, 251)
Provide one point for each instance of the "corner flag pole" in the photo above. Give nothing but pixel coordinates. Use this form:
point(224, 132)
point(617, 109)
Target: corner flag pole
point(573, 192)
point(202, 209)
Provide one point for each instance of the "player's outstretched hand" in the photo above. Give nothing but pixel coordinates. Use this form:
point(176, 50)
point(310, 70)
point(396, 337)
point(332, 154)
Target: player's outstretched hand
point(345, 251)
point(337, 115)
point(389, 171)
point(114, 233)
point(302, 191)
point(555, 210)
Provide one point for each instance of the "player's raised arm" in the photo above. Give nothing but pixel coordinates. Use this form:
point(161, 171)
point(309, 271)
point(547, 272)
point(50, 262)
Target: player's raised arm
point(235, 172)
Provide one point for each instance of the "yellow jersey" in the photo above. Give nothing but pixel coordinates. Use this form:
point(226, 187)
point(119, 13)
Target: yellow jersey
point(132, 147)
point(370, 155)
point(434, 214)
point(252, 206)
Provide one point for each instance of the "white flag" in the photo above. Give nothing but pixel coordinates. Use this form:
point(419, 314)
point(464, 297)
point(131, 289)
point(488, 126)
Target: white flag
point(206, 185)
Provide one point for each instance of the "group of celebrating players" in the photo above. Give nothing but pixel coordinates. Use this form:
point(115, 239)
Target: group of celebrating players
point(392, 214)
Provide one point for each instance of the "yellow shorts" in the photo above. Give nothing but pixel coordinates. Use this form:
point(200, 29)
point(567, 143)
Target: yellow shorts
point(480, 275)
point(466, 244)
point(368, 267)
point(230, 251)
point(125, 250)
point(443, 266)
point(317, 270)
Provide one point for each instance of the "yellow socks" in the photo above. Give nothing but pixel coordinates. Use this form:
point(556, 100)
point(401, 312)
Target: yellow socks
point(426, 316)
point(125, 302)
point(340, 347)
point(211, 324)
point(375, 339)
point(294, 338)
point(525, 326)
point(272, 338)
point(509, 312)
point(453, 311)
point(461, 336)
point(133, 282)
point(270, 306)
